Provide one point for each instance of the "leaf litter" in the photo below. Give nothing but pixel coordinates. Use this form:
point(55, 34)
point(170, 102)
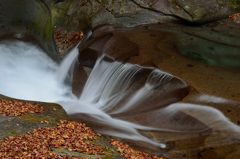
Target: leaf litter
point(69, 135)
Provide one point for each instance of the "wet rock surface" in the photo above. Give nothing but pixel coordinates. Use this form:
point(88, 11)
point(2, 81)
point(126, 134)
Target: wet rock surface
point(205, 56)
point(162, 45)
point(75, 15)
point(215, 86)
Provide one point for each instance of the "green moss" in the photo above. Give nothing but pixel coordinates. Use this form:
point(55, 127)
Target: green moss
point(60, 15)
point(108, 157)
point(150, 6)
point(34, 118)
point(110, 151)
point(14, 133)
point(235, 4)
point(85, 22)
point(65, 152)
point(48, 30)
point(173, 1)
point(112, 11)
point(198, 15)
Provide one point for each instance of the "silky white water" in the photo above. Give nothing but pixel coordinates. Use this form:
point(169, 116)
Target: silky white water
point(26, 72)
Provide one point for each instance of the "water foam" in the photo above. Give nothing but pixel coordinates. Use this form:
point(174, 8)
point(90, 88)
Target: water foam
point(28, 73)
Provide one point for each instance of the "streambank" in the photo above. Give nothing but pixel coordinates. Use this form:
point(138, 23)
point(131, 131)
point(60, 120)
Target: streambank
point(199, 124)
point(50, 122)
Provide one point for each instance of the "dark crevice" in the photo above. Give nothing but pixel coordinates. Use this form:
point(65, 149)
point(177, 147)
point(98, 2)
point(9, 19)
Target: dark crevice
point(119, 16)
point(58, 1)
point(108, 10)
point(156, 11)
point(181, 20)
point(184, 10)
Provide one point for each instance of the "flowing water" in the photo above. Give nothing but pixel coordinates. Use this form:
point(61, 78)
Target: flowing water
point(114, 94)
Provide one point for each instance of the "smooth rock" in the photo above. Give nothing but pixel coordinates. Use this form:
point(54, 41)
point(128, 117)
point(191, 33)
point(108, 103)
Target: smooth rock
point(214, 86)
point(14, 126)
point(24, 19)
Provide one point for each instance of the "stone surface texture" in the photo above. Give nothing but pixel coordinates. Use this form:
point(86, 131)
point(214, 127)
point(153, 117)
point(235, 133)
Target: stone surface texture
point(53, 113)
point(204, 54)
point(24, 19)
point(71, 16)
point(14, 126)
point(193, 11)
point(161, 45)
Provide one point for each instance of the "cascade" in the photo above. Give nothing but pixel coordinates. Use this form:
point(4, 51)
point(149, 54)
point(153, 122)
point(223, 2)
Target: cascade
point(28, 73)
point(112, 92)
point(65, 70)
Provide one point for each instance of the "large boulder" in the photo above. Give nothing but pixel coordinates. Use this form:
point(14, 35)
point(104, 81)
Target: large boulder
point(73, 15)
point(214, 43)
point(213, 86)
point(81, 15)
point(14, 126)
point(53, 115)
point(193, 11)
point(29, 21)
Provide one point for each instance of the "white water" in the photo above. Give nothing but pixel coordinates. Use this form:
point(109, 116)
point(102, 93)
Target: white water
point(27, 73)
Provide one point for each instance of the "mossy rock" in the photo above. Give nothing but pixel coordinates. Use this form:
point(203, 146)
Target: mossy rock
point(194, 11)
point(53, 113)
point(14, 126)
point(29, 18)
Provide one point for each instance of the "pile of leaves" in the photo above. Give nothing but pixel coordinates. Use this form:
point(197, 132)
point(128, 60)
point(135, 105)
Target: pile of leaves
point(69, 135)
point(17, 108)
point(66, 40)
point(130, 153)
point(234, 16)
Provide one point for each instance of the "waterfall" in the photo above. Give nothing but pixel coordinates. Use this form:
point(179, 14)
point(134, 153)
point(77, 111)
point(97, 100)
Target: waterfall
point(155, 80)
point(28, 73)
point(108, 83)
point(65, 70)
point(112, 92)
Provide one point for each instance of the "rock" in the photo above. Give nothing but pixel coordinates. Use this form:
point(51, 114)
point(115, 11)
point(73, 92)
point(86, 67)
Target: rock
point(53, 113)
point(212, 73)
point(214, 43)
point(72, 17)
point(214, 85)
point(28, 20)
point(14, 126)
point(75, 15)
point(237, 20)
point(193, 11)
